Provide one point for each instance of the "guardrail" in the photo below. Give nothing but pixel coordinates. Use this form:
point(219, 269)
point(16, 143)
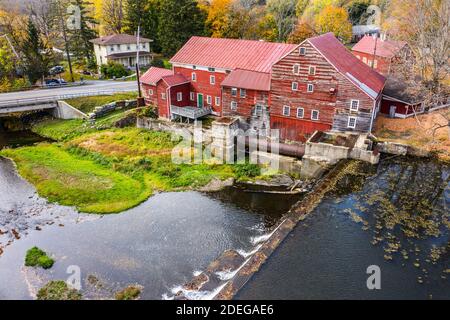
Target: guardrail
point(55, 98)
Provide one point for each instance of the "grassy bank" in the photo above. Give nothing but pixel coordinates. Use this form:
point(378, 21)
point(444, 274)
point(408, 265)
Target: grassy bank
point(110, 170)
point(87, 104)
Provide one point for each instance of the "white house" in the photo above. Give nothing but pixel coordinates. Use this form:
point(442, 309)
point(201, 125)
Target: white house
point(122, 48)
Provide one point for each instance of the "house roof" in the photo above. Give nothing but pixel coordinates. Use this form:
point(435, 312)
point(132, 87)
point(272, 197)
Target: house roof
point(398, 89)
point(175, 79)
point(154, 75)
point(118, 39)
point(368, 80)
point(247, 79)
point(231, 53)
point(385, 48)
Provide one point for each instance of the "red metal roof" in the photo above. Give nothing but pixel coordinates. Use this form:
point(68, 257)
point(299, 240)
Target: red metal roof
point(368, 80)
point(153, 75)
point(385, 48)
point(175, 79)
point(247, 79)
point(231, 53)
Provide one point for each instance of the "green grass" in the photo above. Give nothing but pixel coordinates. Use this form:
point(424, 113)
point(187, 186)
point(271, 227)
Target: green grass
point(129, 293)
point(36, 257)
point(111, 170)
point(64, 178)
point(58, 290)
point(87, 104)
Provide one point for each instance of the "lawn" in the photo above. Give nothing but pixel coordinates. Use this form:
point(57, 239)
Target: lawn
point(87, 104)
point(111, 170)
point(68, 179)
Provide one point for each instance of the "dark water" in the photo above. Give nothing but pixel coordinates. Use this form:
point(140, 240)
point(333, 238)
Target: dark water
point(15, 139)
point(397, 219)
point(158, 245)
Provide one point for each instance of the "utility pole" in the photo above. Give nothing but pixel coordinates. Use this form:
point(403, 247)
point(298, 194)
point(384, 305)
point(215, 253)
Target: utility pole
point(137, 61)
point(375, 51)
point(66, 44)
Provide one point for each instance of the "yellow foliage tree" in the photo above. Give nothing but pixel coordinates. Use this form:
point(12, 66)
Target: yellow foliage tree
point(218, 16)
point(336, 20)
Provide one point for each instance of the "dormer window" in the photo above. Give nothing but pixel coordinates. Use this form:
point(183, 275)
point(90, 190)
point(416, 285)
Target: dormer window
point(302, 51)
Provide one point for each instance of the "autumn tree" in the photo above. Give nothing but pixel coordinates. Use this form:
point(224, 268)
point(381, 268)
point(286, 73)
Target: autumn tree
point(179, 21)
point(426, 29)
point(112, 16)
point(218, 17)
point(284, 13)
point(301, 7)
point(302, 31)
point(334, 19)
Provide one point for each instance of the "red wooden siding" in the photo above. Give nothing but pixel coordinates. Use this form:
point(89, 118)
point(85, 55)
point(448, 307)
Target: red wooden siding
point(383, 65)
point(296, 129)
point(244, 105)
point(203, 85)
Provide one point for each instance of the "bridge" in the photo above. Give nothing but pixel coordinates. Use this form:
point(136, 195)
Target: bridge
point(43, 99)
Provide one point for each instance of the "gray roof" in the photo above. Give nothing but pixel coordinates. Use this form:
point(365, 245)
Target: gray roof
point(118, 39)
point(398, 89)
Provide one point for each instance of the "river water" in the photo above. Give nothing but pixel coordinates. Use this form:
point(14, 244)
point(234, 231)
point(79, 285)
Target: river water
point(397, 218)
point(394, 216)
point(159, 245)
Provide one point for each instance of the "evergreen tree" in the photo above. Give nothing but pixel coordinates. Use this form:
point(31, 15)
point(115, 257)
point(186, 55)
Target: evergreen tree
point(179, 20)
point(80, 37)
point(38, 56)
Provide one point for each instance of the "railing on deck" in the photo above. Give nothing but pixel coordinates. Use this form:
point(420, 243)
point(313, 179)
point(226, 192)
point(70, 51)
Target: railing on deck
point(190, 112)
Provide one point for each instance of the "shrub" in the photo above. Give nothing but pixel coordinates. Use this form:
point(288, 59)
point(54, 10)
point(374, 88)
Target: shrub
point(114, 70)
point(159, 63)
point(129, 293)
point(58, 290)
point(247, 170)
point(36, 257)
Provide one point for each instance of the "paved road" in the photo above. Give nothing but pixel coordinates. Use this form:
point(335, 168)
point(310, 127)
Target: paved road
point(91, 88)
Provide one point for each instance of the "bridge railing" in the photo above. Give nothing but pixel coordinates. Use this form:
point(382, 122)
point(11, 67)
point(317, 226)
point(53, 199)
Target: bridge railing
point(52, 99)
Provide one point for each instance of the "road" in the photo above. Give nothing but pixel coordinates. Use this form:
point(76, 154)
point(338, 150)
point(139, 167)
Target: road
point(91, 88)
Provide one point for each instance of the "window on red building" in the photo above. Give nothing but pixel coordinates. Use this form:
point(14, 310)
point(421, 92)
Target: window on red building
point(243, 93)
point(315, 115)
point(294, 86)
point(234, 92)
point(312, 70)
point(286, 111)
point(218, 101)
point(233, 105)
point(300, 113)
point(194, 76)
point(352, 122)
point(212, 80)
point(310, 87)
point(179, 96)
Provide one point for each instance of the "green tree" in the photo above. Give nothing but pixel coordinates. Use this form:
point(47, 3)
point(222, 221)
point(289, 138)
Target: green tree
point(179, 20)
point(79, 37)
point(334, 19)
point(284, 14)
point(145, 13)
point(38, 56)
point(301, 7)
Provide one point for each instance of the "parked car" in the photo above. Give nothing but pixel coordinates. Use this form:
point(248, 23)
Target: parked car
point(55, 82)
point(57, 70)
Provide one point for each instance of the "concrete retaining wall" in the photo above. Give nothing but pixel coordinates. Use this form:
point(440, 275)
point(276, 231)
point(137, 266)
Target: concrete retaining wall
point(66, 111)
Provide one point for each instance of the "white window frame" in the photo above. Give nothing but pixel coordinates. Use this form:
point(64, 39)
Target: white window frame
point(294, 86)
point(308, 86)
point(150, 92)
point(194, 77)
point(233, 105)
point(313, 68)
point(357, 105)
point(286, 114)
point(163, 96)
point(297, 65)
point(364, 59)
point(192, 96)
point(212, 80)
point(302, 111)
point(242, 93)
point(315, 112)
point(234, 92)
point(209, 100)
point(217, 101)
point(300, 51)
point(179, 96)
point(349, 122)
